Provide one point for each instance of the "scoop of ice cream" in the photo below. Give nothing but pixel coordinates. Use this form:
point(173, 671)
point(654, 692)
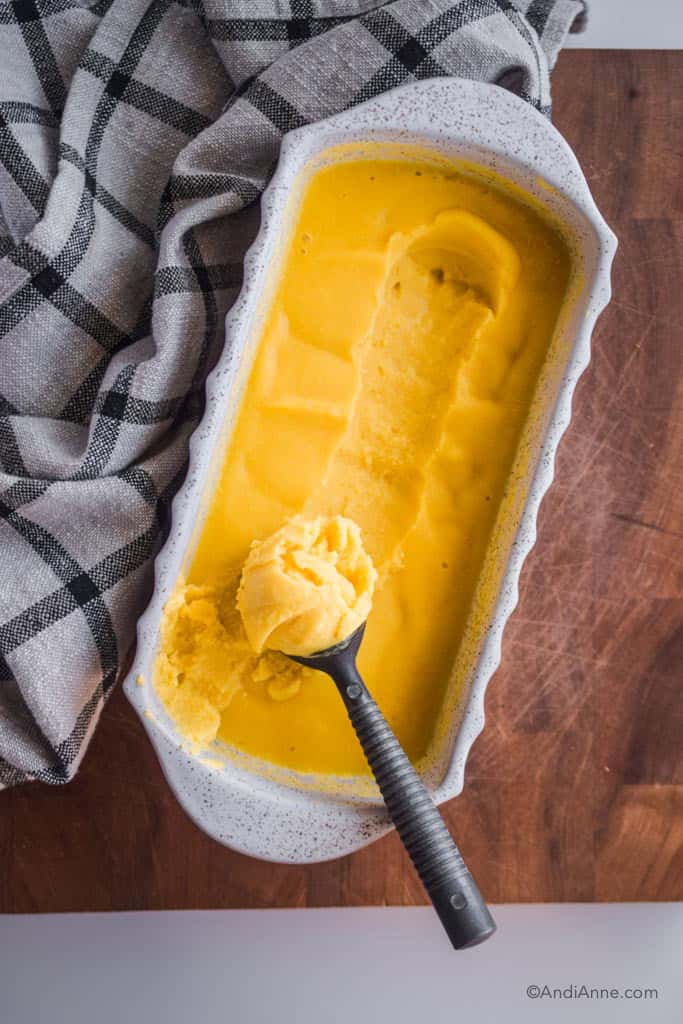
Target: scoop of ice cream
point(306, 587)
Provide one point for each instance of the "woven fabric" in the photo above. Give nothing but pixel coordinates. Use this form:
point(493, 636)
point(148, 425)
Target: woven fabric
point(135, 140)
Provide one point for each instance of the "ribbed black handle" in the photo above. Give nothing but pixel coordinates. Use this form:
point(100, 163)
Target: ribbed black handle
point(438, 861)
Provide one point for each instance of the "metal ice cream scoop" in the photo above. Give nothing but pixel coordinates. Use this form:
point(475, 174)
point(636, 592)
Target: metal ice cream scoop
point(438, 861)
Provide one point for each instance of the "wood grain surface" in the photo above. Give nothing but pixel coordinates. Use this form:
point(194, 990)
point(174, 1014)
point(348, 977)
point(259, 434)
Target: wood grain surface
point(575, 789)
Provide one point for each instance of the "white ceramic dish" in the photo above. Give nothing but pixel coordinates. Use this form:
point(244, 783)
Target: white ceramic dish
point(278, 816)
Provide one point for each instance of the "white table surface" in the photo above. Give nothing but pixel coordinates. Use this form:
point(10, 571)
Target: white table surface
point(389, 965)
point(632, 24)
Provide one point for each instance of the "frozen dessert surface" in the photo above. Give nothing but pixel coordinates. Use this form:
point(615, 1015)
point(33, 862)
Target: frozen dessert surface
point(306, 587)
point(397, 362)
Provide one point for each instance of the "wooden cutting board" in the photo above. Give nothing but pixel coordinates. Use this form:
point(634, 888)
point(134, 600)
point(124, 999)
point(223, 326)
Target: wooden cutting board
point(575, 789)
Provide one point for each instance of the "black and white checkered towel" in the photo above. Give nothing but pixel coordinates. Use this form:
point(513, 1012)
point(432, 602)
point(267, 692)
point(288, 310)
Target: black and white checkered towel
point(134, 138)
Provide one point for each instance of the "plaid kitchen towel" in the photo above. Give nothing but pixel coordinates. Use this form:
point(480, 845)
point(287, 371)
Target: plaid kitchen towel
point(135, 140)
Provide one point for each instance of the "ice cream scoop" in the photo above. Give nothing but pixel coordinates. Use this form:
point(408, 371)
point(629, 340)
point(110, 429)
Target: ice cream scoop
point(297, 563)
point(306, 587)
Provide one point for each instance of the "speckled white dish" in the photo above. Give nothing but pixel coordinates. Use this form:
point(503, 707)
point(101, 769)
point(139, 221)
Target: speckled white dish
point(274, 814)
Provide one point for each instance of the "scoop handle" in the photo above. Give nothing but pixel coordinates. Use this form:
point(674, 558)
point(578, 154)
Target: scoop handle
point(438, 861)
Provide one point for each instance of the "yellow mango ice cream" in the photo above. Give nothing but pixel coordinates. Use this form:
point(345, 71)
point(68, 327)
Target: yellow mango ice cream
point(398, 357)
point(306, 587)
